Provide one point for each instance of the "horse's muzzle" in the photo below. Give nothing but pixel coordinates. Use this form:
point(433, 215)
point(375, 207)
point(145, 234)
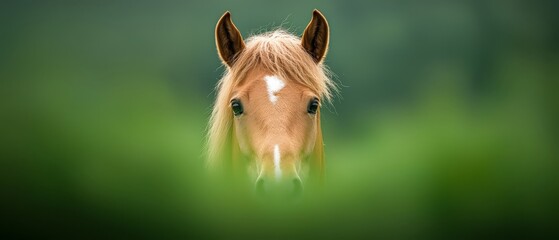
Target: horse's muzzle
point(280, 188)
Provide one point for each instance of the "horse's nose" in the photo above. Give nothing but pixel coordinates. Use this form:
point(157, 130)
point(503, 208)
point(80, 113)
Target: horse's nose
point(270, 187)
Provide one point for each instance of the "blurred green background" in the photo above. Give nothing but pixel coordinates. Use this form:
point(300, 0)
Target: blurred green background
point(446, 125)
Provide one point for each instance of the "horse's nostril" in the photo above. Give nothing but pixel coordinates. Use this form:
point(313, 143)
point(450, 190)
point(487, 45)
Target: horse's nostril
point(260, 188)
point(297, 186)
point(281, 188)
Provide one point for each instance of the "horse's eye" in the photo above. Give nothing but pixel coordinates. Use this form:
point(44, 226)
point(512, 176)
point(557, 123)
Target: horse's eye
point(237, 107)
point(313, 106)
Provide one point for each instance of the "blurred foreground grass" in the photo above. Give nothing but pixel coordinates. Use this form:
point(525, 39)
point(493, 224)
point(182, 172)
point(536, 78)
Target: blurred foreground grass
point(128, 161)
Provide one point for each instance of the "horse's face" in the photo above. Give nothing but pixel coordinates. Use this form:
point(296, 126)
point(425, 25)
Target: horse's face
point(276, 119)
point(275, 124)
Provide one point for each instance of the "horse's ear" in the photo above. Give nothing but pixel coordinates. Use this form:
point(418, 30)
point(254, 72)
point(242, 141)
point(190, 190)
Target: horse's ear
point(315, 37)
point(228, 39)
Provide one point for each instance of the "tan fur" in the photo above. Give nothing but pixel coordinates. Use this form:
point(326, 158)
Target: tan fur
point(287, 124)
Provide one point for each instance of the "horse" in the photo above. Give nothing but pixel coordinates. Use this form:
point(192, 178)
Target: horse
point(266, 115)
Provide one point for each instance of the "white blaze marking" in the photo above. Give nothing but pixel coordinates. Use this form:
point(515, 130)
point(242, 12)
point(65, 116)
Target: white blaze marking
point(277, 160)
point(274, 85)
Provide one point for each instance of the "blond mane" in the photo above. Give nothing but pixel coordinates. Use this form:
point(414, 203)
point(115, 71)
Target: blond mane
point(282, 54)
